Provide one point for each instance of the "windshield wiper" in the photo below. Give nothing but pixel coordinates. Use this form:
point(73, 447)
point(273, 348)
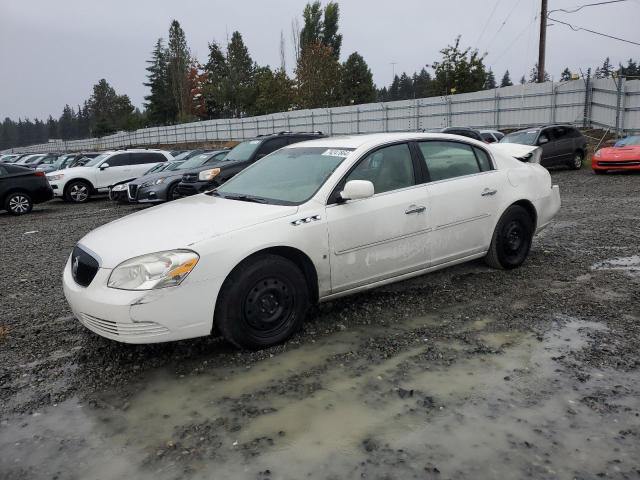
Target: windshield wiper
point(240, 197)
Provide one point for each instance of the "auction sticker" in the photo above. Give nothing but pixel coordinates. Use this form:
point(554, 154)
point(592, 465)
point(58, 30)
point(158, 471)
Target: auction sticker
point(332, 152)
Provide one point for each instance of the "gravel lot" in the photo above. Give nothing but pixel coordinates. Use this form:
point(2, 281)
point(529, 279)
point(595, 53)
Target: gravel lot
point(465, 373)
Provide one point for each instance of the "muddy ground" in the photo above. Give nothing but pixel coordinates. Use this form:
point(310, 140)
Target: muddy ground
point(462, 374)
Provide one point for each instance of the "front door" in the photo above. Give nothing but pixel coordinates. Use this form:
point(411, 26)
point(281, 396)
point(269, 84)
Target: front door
point(385, 235)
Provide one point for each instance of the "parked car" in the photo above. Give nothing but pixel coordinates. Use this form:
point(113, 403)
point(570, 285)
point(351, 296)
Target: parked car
point(464, 131)
point(311, 222)
point(77, 184)
point(21, 188)
point(42, 160)
point(491, 136)
point(187, 154)
point(119, 191)
point(27, 159)
point(82, 159)
point(239, 158)
point(163, 186)
point(9, 158)
point(562, 145)
point(623, 155)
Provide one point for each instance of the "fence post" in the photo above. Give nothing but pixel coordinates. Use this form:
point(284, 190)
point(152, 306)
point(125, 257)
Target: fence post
point(554, 99)
point(586, 121)
point(230, 133)
point(449, 110)
point(386, 117)
point(329, 113)
point(496, 109)
point(357, 119)
point(620, 106)
point(313, 123)
point(416, 106)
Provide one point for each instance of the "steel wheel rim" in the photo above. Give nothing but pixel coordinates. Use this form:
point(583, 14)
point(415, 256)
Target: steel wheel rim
point(577, 160)
point(19, 204)
point(514, 237)
point(79, 192)
point(269, 306)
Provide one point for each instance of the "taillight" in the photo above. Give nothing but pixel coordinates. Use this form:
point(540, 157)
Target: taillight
point(39, 174)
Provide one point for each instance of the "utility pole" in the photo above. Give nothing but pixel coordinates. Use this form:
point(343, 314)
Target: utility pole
point(543, 41)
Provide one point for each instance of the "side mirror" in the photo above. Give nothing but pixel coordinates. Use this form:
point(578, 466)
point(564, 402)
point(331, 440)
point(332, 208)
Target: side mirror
point(103, 166)
point(543, 140)
point(357, 189)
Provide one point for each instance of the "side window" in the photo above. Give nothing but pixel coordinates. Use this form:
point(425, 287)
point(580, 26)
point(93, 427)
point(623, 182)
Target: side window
point(560, 133)
point(3, 171)
point(574, 133)
point(448, 159)
point(140, 158)
point(544, 136)
point(154, 157)
point(48, 161)
point(389, 168)
point(483, 159)
point(487, 137)
point(118, 160)
point(271, 146)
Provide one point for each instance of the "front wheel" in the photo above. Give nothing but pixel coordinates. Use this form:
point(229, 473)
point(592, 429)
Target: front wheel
point(77, 191)
point(511, 239)
point(262, 302)
point(18, 203)
point(172, 192)
point(576, 162)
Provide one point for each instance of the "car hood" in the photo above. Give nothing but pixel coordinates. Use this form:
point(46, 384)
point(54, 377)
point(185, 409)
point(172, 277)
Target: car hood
point(178, 224)
point(154, 176)
point(68, 172)
point(203, 167)
point(631, 152)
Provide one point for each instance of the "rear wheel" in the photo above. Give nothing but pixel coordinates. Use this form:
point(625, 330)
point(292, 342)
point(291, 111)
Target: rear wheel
point(262, 302)
point(511, 239)
point(77, 191)
point(18, 203)
point(576, 162)
point(172, 192)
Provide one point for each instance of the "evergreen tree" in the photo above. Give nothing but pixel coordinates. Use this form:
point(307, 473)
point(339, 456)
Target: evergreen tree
point(422, 84)
point(109, 111)
point(160, 109)
point(490, 82)
point(241, 89)
point(533, 75)
point(311, 32)
point(52, 128)
point(405, 87)
point(217, 83)
point(318, 77)
point(506, 80)
point(606, 70)
point(274, 91)
point(565, 76)
point(330, 36)
point(357, 81)
point(65, 123)
point(383, 95)
point(178, 61)
point(394, 90)
point(523, 80)
point(631, 70)
point(460, 71)
point(319, 30)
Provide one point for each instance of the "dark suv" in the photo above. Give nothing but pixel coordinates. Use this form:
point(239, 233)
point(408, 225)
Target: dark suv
point(561, 144)
point(21, 187)
point(239, 158)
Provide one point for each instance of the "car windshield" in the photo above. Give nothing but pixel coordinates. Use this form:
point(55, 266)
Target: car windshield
point(183, 155)
point(96, 160)
point(289, 176)
point(242, 151)
point(524, 137)
point(196, 161)
point(34, 158)
point(628, 141)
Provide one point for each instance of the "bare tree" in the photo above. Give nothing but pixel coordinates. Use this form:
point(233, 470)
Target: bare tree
point(295, 37)
point(283, 57)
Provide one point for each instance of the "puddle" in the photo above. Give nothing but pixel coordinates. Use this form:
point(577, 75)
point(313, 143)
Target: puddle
point(501, 406)
point(630, 265)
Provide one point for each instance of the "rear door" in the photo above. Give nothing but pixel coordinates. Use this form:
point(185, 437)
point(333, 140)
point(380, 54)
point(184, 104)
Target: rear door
point(383, 236)
point(464, 193)
point(563, 144)
point(140, 162)
point(549, 148)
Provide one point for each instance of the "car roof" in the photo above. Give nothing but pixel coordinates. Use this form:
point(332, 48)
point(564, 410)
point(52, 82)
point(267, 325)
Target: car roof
point(373, 139)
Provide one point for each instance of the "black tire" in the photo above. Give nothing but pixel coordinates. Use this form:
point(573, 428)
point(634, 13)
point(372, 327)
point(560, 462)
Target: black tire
point(600, 172)
point(511, 240)
point(77, 191)
point(18, 203)
point(262, 302)
point(576, 160)
point(172, 194)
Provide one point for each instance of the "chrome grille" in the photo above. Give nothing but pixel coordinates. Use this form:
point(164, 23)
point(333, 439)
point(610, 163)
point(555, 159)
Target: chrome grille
point(190, 177)
point(132, 191)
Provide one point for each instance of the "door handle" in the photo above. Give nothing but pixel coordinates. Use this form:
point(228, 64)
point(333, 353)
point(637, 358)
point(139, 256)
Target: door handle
point(488, 192)
point(415, 209)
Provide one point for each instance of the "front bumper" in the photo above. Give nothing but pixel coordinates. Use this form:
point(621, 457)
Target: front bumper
point(599, 164)
point(186, 189)
point(150, 316)
point(152, 194)
point(57, 188)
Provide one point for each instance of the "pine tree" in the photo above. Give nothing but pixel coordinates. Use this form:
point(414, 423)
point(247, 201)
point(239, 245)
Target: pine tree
point(330, 36)
point(394, 90)
point(178, 61)
point(65, 123)
point(215, 89)
point(241, 89)
point(317, 29)
point(357, 81)
point(160, 109)
point(405, 87)
point(523, 80)
point(506, 80)
point(533, 75)
point(460, 71)
point(311, 32)
point(422, 84)
point(606, 70)
point(490, 82)
point(318, 77)
point(565, 76)
point(52, 128)
point(109, 112)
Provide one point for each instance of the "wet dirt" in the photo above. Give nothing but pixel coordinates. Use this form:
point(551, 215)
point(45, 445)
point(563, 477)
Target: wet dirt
point(464, 373)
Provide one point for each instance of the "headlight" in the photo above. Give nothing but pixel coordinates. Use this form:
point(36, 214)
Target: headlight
point(156, 270)
point(119, 188)
point(153, 182)
point(53, 178)
point(598, 153)
point(209, 174)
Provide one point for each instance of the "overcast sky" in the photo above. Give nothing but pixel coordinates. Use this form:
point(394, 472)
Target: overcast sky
point(53, 52)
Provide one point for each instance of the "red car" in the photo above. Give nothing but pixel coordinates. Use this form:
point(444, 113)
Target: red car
point(624, 155)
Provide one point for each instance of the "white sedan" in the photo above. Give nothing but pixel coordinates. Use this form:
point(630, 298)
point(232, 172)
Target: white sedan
point(308, 223)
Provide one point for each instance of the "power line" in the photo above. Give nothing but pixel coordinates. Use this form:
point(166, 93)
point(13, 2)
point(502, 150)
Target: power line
point(575, 28)
point(487, 22)
point(504, 22)
point(577, 9)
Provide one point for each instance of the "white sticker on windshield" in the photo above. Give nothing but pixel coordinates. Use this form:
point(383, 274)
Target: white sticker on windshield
point(253, 142)
point(332, 152)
